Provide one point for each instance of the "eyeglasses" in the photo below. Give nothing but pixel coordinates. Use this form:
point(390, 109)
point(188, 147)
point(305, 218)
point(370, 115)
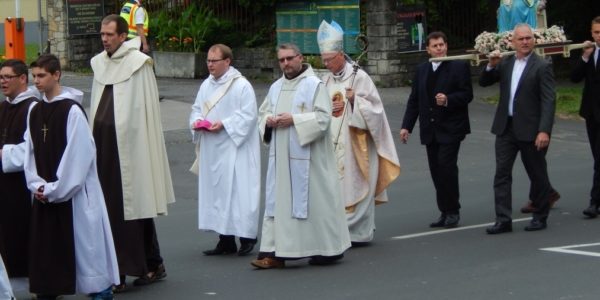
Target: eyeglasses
point(287, 58)
point(8, 77)
point(212, 61)
point(327, 60)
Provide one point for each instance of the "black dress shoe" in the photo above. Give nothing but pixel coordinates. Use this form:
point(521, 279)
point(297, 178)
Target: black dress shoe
point(591, 211)
point(499, 227)
point(536, 225)
point(245, 249)
point(451, 220)
point(219, 251)
point(320, 260)
point(441, 222)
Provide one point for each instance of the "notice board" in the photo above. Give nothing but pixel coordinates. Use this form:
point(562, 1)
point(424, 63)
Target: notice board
point(411, 27)
point(84, 16)
point(298, 22)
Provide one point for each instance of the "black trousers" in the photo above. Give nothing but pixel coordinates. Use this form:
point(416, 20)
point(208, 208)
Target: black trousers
point(507, 146)
point(443, 166)
point(593, 131)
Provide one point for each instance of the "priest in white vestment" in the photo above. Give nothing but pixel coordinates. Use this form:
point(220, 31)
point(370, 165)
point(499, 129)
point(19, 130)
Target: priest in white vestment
point(367, 161)
point(228, 155)
point(304, 213)
point(71, 246)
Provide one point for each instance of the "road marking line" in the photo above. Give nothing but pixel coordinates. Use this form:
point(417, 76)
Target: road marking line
point(565, 249)
point(420, 234)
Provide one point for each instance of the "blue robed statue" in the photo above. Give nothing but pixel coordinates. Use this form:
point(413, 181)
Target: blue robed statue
point(513, 12)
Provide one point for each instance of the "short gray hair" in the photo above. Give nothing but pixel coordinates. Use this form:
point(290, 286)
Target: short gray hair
point(287, 46)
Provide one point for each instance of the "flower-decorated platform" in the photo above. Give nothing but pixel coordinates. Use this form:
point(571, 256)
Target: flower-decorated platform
point(549, 41)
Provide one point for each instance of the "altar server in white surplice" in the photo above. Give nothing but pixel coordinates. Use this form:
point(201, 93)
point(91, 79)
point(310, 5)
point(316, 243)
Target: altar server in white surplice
point(367, 162)
point(228, 156)
point(304, 213)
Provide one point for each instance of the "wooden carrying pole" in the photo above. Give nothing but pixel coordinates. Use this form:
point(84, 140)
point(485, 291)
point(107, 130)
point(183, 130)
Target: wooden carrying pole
point(543, 50)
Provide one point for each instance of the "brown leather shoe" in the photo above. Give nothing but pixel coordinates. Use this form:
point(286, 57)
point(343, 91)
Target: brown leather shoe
point(554, 196)
point(529, 208)
point(268, 263)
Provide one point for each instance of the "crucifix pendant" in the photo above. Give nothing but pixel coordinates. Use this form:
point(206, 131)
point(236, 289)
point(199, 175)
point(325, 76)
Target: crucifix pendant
point(4, 135)
point(301, 107)
point(45, 131)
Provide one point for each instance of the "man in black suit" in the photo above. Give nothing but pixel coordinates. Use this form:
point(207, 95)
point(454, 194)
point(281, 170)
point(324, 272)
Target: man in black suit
point(588, 68)
point(441, 92)
point(523, 123)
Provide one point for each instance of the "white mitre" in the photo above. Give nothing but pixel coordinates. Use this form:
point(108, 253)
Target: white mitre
point(330, 37)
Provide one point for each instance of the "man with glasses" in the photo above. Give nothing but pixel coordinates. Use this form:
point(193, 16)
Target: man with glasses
point(367, 161)
point(132, 157)
point(522, 124)
point(223, 124)
point(15, 204)
point(304, 213)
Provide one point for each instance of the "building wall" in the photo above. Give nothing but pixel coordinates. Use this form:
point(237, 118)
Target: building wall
point(29, 12)
point(29, 9)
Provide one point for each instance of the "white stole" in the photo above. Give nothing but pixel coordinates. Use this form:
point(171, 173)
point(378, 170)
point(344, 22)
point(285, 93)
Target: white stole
point(299, 156)
point(206, 108)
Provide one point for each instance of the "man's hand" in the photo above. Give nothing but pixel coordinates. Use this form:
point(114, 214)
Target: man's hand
point(542, 141)
point(337, 106)
point(216, 127)
point(350, 95)
point(271, 122)
point(39, 195)
point(404, 134)
point(588, 49)
point(494, 58)
point(284, 120)
point(441, 99)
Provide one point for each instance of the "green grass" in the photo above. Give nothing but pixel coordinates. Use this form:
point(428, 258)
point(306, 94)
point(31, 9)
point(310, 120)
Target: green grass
point(568, 100)
point(31, 53)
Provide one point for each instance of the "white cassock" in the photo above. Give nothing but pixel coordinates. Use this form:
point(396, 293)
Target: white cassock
point(229, 161)
point(366, 156)
point(95, 259)
point(291, 227)
point(5, 289)
point(13, 155)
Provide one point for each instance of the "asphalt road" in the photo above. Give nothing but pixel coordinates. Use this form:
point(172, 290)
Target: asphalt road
point(407, 260)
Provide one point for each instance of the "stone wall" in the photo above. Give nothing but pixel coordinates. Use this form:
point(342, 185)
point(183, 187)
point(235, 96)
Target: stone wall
point(384, 62)
point(74, 52)
point(256, 62)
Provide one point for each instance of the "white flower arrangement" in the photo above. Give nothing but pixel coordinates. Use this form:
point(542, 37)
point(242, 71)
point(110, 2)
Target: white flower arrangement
point(487, 42)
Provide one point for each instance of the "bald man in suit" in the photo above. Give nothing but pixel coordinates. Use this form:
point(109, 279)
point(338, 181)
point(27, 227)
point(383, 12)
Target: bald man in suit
point(522, 124)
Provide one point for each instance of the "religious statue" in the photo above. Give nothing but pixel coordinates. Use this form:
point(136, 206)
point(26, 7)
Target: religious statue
point(513, 12)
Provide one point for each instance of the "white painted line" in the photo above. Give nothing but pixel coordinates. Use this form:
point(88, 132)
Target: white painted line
point(565, 249)
point(426, 233)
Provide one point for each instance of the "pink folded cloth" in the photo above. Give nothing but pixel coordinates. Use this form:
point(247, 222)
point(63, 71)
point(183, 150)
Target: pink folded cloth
point(202, 124)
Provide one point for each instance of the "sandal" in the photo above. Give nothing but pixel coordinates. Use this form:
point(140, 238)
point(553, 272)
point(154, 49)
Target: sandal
point(119, 288)
point(151, 277)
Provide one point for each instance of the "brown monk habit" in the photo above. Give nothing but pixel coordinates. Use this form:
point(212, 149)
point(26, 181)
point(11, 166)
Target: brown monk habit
point(135, 240)
point(15, 199)
point(52, 244)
